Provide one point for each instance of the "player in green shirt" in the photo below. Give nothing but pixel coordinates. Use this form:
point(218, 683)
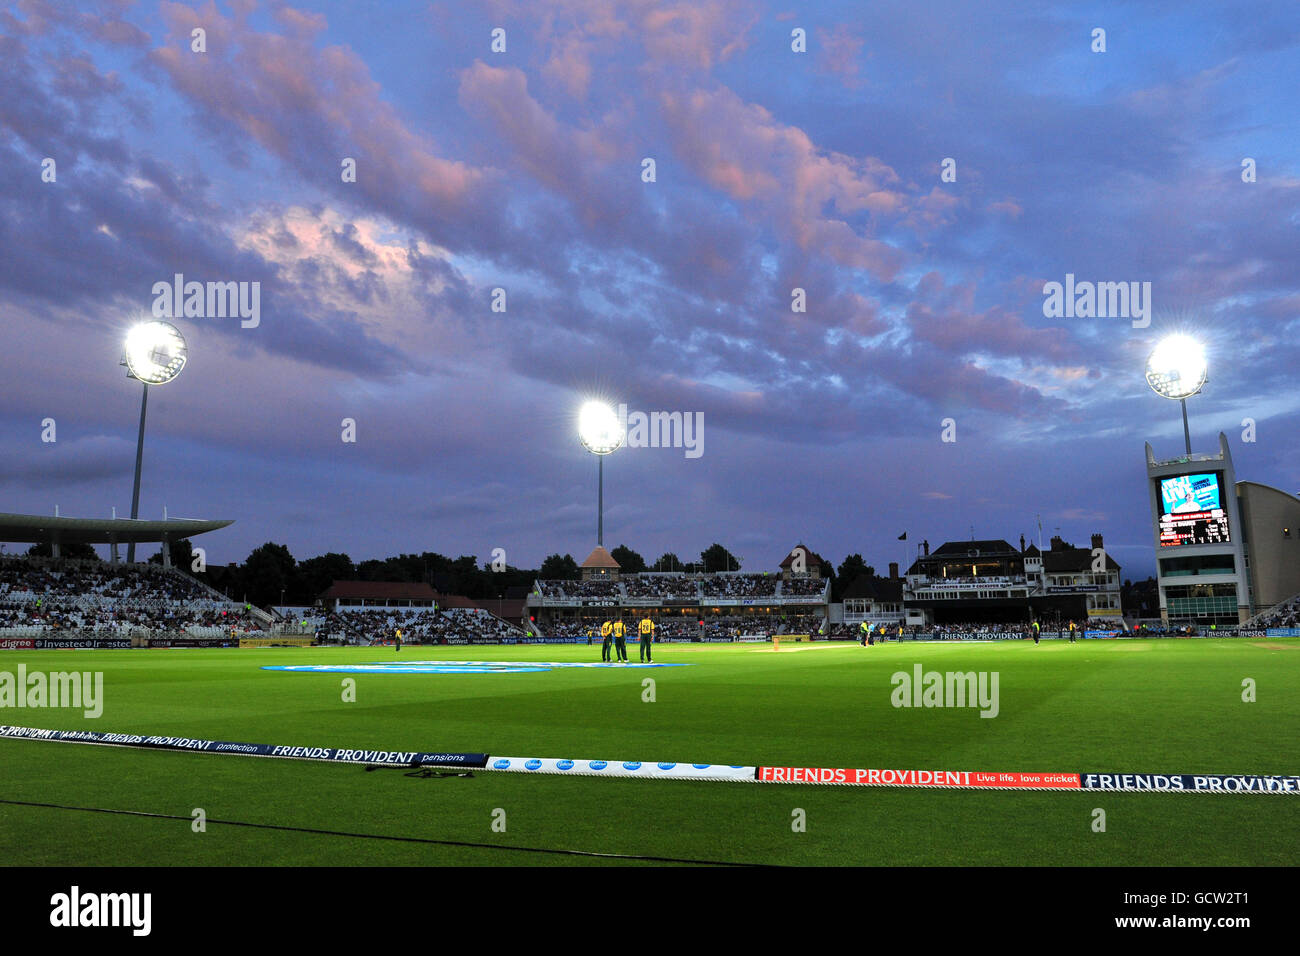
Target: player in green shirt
point(606, 631)
point(620, 631)
point(647, 629)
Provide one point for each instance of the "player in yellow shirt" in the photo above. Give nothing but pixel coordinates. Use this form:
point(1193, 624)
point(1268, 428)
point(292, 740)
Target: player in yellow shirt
point(620, 631)
point(606, 630)
point(647, 629)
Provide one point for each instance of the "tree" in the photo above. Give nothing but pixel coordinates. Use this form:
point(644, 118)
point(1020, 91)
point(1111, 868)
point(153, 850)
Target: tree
point(628, 560)
point(268, 573)
point(854, 566)
point(559, 568)
point(317, 574)
point(182, 554)
point(717, 558)
point(372, 569)
point(80, 550)
point(667, 562)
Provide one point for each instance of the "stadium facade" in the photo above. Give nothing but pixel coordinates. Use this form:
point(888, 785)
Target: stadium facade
point(1225, 549)
point(793, 599)
point(991, 581)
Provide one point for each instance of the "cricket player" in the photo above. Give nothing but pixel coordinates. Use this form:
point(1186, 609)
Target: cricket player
point(647, 629)
point(1037, 627)
point(864, 631)
point(620, 645)
point(1072, 632)
point(397, 640)
point(606, 631)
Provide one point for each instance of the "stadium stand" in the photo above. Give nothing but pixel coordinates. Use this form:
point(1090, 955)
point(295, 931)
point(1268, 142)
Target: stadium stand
point(804, 587)
point(418, 625)
point(40, 595)
point(1286, 614)
point(732, 585)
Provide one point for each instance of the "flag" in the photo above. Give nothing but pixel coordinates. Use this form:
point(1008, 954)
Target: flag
point(903, 536)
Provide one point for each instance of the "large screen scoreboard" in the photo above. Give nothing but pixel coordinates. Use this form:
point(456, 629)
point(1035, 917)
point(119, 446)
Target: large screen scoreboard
point(1192, 509)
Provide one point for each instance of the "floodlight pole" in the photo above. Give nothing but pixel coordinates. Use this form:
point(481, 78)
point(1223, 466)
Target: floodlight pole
point(600, 501)
point(139, 458)
point(1187, 435)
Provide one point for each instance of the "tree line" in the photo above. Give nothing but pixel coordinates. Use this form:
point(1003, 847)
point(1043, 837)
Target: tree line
point(271, 575)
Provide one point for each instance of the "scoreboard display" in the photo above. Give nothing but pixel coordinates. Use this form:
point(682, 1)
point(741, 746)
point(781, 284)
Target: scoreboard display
point(1192, 510)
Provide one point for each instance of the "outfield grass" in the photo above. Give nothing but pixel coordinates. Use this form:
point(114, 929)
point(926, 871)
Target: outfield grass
point(1159, 706)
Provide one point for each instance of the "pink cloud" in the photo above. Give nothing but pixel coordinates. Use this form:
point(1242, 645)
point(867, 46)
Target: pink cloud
point(946, 317)
point(808, 194)
point(839, 50)
point(303, 104)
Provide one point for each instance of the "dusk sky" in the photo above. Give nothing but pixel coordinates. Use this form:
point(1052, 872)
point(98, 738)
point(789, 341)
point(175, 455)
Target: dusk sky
point(523, 170)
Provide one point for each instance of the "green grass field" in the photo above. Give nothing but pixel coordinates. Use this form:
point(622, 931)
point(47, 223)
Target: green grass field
point(1160, 706)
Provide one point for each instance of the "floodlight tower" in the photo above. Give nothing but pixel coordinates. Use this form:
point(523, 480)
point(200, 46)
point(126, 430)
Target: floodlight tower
point(1177, 369)
point(155, 354)
point(601, 433)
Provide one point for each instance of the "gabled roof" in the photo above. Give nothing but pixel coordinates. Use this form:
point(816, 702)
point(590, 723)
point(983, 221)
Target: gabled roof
point(865, 586)
point(811, 558)
point(600, 558)
point(962, 549)
point(1061, 560)
point(507, 608)
point(381, 590)
point(1032, 551)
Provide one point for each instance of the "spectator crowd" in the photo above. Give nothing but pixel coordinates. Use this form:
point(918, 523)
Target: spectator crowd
point(53, 595)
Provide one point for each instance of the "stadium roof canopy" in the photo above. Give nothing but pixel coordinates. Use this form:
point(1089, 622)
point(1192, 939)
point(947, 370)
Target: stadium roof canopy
point(38, 529)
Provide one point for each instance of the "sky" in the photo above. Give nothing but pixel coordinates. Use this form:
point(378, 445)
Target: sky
point(518, 161)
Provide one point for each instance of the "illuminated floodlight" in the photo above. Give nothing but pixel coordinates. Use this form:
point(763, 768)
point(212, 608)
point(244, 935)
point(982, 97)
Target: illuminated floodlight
point(601, 433)
point(155, 352)
point(1177, 367)
point(599, 429)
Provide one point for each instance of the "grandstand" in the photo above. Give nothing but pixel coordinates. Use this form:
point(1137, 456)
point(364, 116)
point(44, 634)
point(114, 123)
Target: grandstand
point(368, 612)
point(992, 582)
point(376, 625)
point(1284, 614)
point(83, 599)
point(688, 606)
point(47, 597)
